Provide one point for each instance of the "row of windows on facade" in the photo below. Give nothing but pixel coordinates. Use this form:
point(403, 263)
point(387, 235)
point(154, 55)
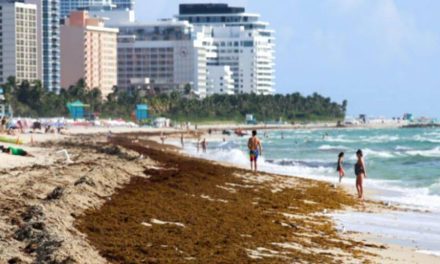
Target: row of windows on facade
point(141, 58)
point(219, 19)
point(133, 75)
point(234, 44)
point(161, 69)
point(145, 51)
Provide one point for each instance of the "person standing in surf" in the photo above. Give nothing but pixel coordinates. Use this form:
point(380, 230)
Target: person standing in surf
point(361, 173)
point(340, 168)
point(255, 149)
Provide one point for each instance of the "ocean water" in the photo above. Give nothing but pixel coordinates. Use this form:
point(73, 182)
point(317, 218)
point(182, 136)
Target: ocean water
point(403, 168)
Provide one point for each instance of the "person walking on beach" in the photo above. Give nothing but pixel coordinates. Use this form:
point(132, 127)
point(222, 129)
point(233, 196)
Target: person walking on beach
point(361, 173)
point(340, 167)
point(182, 141)
point(204, 145)
point(162, 138)
point(255, 150)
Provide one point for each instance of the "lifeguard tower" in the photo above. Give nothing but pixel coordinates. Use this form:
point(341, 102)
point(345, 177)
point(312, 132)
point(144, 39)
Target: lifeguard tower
point(141, 112)
point(77, 110)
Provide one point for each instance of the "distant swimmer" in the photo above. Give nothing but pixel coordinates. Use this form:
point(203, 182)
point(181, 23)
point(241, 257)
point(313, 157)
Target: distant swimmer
point(282, 135)
point(340, 167)
point(361, 173)
point(255, 150)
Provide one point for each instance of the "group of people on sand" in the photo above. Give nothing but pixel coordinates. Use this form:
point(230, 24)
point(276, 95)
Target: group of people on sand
point(256, 149)
point(14, 127)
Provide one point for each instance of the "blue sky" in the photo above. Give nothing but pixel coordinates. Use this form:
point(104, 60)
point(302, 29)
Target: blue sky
point(383, 56)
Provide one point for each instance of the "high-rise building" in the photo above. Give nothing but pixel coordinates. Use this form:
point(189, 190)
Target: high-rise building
point(124, 4)
point(114, 17)
point(220, 80)
point(244, 43)
point(68, 6)
point(51, 45)
point(169, 53)
point(19, 41)
point(89, 52)
point(48, 16)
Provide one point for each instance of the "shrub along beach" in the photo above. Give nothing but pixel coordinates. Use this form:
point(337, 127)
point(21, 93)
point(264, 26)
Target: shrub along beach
point(32, 100)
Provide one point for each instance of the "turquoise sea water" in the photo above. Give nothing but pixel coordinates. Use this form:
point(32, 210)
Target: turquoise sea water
point(403, 164)
point(403, 169)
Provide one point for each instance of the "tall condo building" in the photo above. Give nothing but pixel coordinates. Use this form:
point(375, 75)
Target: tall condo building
point(51, 45)
point(169, 53)
point(244, 43)
point(19, 46)
point(220, 80)
point(124, 4)
point(48, 17)
point(68, 6)
point(89, 52)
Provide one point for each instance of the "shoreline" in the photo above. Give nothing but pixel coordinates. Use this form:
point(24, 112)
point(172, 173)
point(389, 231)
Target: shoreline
point(98, 203)
point(379, 207)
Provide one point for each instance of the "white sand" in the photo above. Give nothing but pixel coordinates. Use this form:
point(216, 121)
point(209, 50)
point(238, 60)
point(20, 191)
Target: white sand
point(23, 186)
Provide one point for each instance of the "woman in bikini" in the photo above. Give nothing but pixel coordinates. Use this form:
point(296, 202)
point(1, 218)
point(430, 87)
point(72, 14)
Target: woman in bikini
point(340, 168)
point(361, 174)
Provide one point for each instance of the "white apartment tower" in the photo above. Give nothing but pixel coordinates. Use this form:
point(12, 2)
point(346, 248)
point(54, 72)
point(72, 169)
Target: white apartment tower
point(220, 80)
point(169, 53)
point(244, 43)
point(20, 50)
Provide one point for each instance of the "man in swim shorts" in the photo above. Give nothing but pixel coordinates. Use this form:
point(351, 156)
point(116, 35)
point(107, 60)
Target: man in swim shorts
point(255, 150)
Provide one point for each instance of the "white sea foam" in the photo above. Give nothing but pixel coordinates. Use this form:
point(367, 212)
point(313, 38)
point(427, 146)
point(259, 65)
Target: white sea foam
point(402, 148)
point(330, 147)
point(429, 252)
point(339, 139)
point(435, 152)
point(404, 228)
point(380, 154)
point(421, 138)
point(379, 139)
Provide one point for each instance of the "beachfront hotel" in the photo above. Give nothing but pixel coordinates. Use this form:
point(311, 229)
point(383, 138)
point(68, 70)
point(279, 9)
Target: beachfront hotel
point(244, 43)
point(19, 46)
point(89, 52)
point(169, 53)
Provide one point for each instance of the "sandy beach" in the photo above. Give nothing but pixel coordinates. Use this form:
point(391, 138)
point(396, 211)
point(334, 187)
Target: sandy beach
point(135, 201)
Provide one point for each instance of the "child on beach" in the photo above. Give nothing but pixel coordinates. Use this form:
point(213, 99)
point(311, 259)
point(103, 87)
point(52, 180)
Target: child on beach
point(361, 173)
point(340, 168)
